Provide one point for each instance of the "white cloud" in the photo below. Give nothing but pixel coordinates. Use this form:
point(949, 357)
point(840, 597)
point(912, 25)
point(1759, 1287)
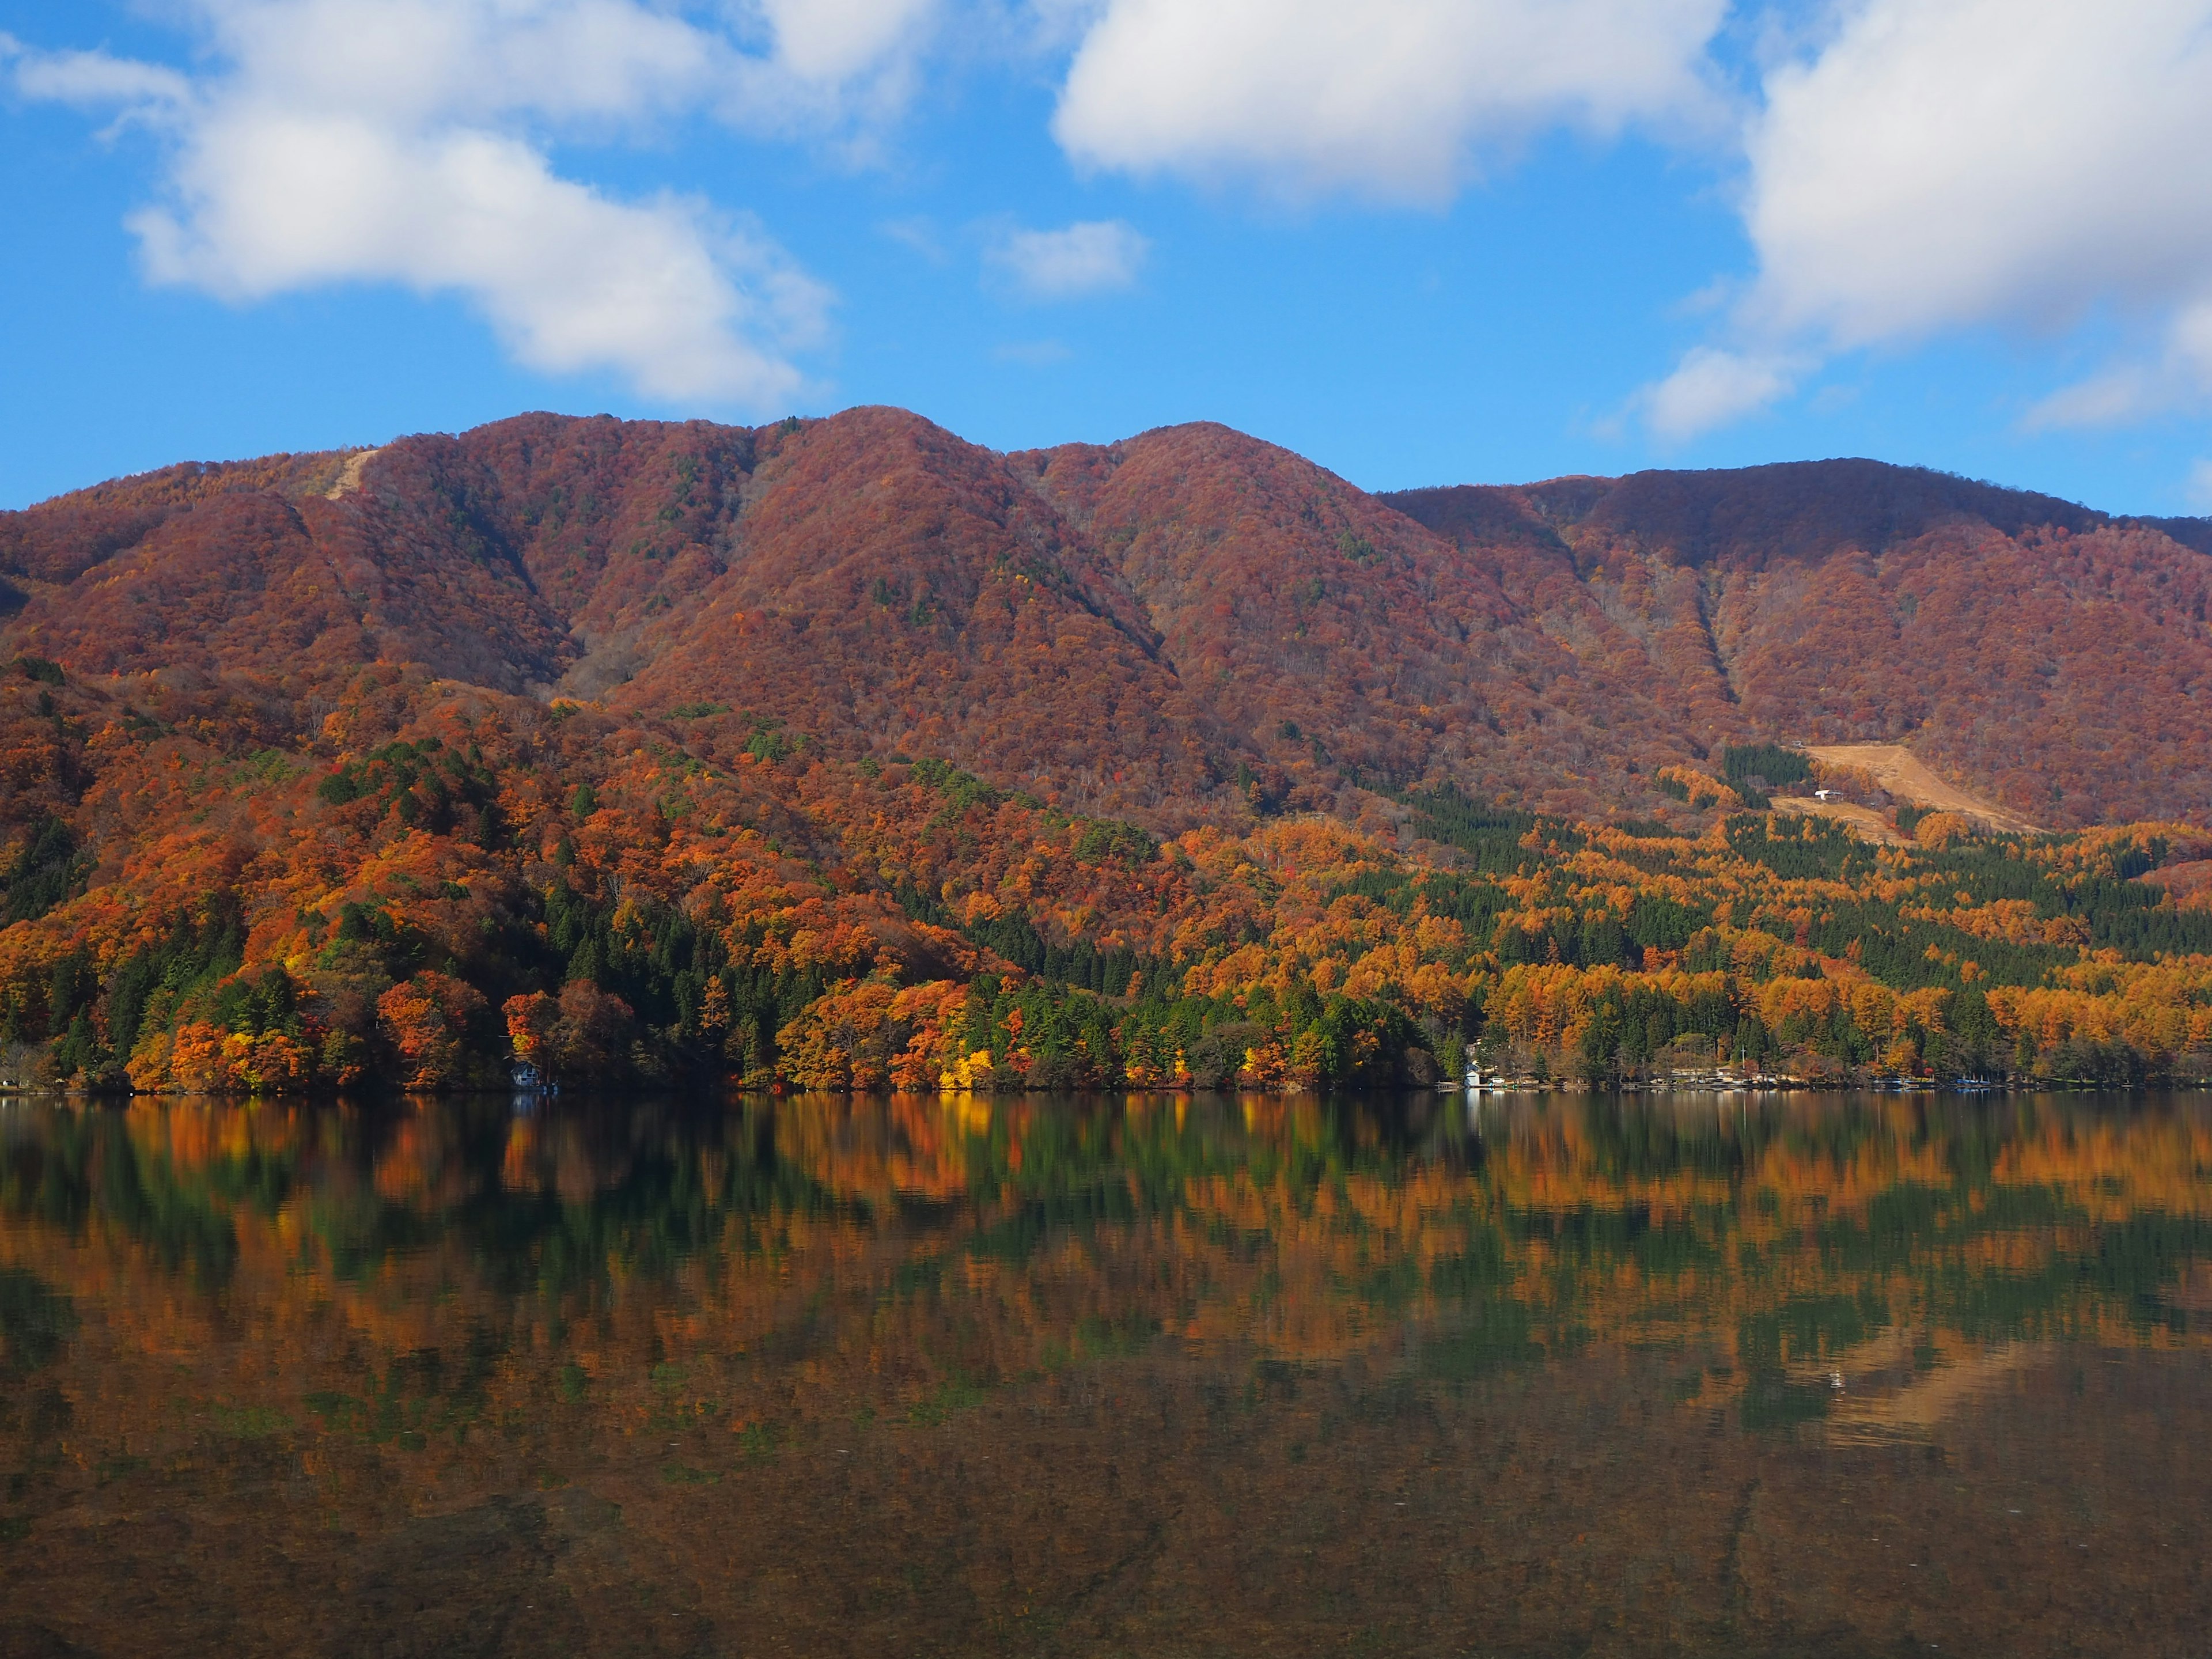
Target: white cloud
point(2188, 356)
point(918, 233)
point(407, 141)
point(686, 307)
point(1084, 259)
point(1948, 162)
point(839, 43)
point(2125, 393)
point(1933, 166)
point(2200, 485)
point(92, 80)
point(1392, 99)
point(1713, 388)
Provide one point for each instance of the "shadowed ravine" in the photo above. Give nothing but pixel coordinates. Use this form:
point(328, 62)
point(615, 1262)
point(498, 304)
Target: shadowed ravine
point(1830, 1375)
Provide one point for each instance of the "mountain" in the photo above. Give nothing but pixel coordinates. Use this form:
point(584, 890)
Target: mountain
point(1188, 623)
point(645, 748)
point(2053, 658)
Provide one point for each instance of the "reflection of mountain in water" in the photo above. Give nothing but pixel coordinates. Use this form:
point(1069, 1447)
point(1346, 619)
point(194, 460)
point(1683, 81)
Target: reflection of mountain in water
point(873, 1372)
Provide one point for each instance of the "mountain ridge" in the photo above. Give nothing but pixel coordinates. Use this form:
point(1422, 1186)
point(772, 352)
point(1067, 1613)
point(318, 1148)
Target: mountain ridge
point(845, 753)
point(801, 568)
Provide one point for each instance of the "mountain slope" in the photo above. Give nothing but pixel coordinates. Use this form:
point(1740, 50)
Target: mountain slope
point(2053, 658)
point(845, 752)
point(1342, 639)
point(892, 589)
point(1187, 625)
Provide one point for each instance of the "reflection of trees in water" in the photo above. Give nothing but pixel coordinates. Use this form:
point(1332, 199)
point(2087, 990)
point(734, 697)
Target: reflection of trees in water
point(1786, 1231)
point(688, 1308)
point(35, 1319)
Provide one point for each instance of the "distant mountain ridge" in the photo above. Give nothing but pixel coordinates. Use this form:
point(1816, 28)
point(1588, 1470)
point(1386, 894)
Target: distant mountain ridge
point(1187, 625)
point(1792, 508)
point(2050, 653)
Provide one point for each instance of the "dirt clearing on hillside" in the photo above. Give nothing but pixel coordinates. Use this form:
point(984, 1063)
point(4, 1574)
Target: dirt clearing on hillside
point(349, 479)
point(1869, 824)
point(1894, 767)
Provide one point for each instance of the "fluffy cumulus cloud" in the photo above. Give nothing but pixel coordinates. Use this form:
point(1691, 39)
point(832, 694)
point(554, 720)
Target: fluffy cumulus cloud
point(1938, 165)
point(1391, 99)
point(832, 47)
point(407, 141)
point(1084, 259)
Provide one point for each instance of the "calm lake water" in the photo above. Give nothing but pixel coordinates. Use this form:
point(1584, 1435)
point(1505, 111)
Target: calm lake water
point(1806, 1375)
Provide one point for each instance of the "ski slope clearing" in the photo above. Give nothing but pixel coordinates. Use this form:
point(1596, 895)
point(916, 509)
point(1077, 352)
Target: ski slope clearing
point(1899, 771)
point(1869, 825)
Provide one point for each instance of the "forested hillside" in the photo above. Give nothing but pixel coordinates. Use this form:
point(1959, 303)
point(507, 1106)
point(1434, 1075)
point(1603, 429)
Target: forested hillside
point(2057, 660)
point(845, 753)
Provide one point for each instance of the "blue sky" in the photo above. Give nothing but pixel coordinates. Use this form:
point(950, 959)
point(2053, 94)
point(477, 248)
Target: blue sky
point(1420, 240)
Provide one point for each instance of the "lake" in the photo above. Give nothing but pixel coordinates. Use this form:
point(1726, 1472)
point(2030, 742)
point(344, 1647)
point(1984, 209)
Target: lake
point(1805, 1375)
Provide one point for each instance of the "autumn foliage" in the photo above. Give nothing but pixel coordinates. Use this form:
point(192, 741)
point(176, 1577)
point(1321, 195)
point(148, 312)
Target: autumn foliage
point(848, 755)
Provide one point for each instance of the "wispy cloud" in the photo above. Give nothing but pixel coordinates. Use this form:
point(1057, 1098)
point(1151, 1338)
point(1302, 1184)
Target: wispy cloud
point(1091, 258)
point(2200, 486)
point(2113, 397)
point(1031, 354)
point(919, 233)
point(1713, 388)
point(94, 79)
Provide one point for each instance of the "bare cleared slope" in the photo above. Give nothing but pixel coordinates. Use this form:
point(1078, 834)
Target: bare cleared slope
point(1900, 772)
